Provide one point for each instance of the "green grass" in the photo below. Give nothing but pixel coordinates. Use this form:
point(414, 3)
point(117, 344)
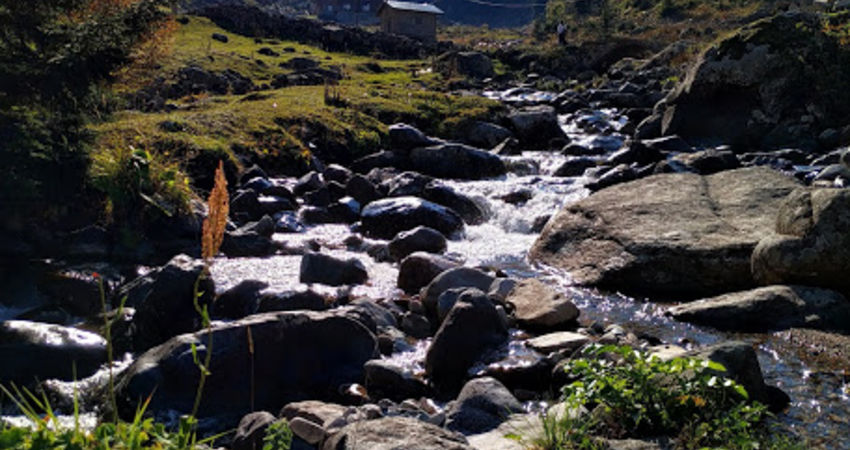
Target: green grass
point(280, 127)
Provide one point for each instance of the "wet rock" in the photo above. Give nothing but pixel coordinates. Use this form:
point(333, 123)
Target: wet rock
point(320, 197)
point(238, 244)
point(769, 308)
point(73, 289)
point(486, 134)
point(328, 350)
point(406, 137)
point(676, 234)
point(386, 218)
point(536, 126)
point(415, 325)
point(464, 206)
point(518, 197)
point(422, 239)
point(164, 301)
point(346, 210)
point(565, 341)
point(707, 162)
point(335, 172)
point(394, 433)
point(500, 288)
point(326, 269)
point(456, 161)
point(508, 147)
point(387, 380)
point(251, 431)
point(460, 277)
point(637, 152)
point(472, 328)
point(668, 144)
point(308, 183)
point(419, 269)
point(616, 175)
point(446, 301)
point(246, 203)
point(539, 306)
point(836, 174)
point(315, 215)
point(33, 351)
point(381, 160)
point(482, 405)
point(811, 245)
point(288, 222)
point(575, 166)
point(540, 223)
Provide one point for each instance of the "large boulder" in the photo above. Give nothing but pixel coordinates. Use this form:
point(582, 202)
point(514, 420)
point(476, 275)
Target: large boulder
point(456, 161)
point(756, 86)
point(812, 242)
point(419, 269)
point(394, 433)
point(769, 308)
point(464, 206)
point(418, 239)
point(472, 328)
point(261, 362)
point(405, 137)
point(672, 234)
point(33, 351)
point(459, 277)
point(385, 218)
point(164, 301)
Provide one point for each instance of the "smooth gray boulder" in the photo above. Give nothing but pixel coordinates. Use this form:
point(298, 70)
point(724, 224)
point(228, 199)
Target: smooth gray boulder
point(385, 218)
point(419, 269)
point(326, 269)
point(394, 433)
point(459, 277)
point(482, 405)
point(769, 308)
point(539, 306)
point(456, 161)
point(684, 235)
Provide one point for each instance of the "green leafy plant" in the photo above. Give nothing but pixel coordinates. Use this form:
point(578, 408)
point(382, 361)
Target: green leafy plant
point(278, 436)
point(620, 392)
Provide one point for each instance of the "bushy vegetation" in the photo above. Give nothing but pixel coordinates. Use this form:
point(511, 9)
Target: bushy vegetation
point(620, 392)
point(56, 58)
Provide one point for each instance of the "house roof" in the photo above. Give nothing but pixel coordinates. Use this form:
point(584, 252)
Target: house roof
point(411, 6)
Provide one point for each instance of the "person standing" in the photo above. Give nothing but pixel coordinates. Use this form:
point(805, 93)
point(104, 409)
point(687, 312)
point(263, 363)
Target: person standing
point(562, 33)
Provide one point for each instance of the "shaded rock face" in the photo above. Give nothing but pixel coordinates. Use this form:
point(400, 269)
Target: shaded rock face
point(418, 239)
point(536, 126)
point(675, 234)
point(472, 328)
point(325, 269)
point(251, 431)
point(419, 269)
point(812, 241)
point(385, 218)
point(297, 355)
point(164, 301)
point(754, 87)
point(482, 405)
point(33, 351)
point(769, 308)
point(392, 433)
point(460, 277)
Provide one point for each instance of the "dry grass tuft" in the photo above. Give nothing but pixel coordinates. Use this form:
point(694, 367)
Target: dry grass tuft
point(218, 207)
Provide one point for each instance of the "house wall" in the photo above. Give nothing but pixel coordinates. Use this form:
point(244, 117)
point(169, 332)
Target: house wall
point(409, 23)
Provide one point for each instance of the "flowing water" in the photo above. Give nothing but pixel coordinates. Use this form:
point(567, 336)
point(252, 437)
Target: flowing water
point(819, 398)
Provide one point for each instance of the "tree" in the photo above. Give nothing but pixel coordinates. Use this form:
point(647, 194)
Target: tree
point(57, 58)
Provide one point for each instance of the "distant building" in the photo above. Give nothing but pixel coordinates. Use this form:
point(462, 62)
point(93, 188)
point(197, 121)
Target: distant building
point(416, 20)
point(351, 12)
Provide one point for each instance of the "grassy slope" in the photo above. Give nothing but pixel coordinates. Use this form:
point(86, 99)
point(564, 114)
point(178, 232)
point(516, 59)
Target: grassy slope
point(278, 126)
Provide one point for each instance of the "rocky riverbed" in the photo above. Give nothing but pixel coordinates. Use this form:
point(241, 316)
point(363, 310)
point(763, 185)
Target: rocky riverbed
point(417, 296)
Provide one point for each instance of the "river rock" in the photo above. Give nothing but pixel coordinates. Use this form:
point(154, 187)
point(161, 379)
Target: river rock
point(33, 351)
point(394, 433)
point(290, 300)
point(769, 308)
point(464, 206)
point(251, 431)
point(387, 380)
point(482, 405)
point(419, 269)
point(707, 162)
point(239, 301)
point(361, 189)
point(456, 161)
point(459, 277)
point(296, 355)
point(473, 64)
point(575, 166)
point(536, 126)
point(539, 306)
point(742, 365)
point(673, 234)
point(418, 239)
point(164, 301)
point(320, 413)
point(755, 85)
point(326, 269)
point(472, 328)
point(406, 137)
point(560, 341)
point(486, 134)
point(385, 218)
point(406, 184)
point(812, 241)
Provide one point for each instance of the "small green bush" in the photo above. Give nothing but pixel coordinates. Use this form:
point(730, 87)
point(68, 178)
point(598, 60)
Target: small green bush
point(620, 392)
